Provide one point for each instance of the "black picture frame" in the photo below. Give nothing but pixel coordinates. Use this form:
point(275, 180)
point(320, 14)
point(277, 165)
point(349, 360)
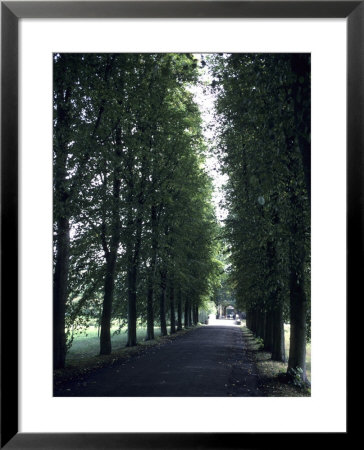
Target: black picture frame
point(11, 12)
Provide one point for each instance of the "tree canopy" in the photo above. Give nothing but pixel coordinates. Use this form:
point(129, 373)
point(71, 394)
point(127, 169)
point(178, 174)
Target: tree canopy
point(133, 223)
point(136, 239)
point(263, 142)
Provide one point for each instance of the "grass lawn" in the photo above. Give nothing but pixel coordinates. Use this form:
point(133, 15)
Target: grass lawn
point(308, 350)
point(87, 345)
point(83, 357)
point(268, 369)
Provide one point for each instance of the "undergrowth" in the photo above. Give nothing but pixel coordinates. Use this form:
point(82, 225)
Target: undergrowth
point(273, 377)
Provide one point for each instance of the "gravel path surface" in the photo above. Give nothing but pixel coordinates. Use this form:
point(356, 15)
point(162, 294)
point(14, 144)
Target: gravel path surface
point(209, 361)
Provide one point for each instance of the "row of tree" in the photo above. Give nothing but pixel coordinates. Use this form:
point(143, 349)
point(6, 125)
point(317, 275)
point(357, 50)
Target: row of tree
point(134, 229)
point(263, 142)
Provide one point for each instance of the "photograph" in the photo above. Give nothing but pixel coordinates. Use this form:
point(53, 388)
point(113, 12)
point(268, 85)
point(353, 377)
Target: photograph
point(181, 224)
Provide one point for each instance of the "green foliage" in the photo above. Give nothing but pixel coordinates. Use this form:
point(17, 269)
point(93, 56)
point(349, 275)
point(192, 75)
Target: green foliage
point(129, 179)
point(131, 193)
point(262, 118)
point(295, 377)
point(260, 342)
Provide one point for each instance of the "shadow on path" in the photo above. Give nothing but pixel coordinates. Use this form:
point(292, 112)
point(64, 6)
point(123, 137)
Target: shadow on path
point(209, 361)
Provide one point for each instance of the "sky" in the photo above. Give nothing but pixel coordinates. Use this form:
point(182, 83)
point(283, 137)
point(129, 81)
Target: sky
point(205, 101)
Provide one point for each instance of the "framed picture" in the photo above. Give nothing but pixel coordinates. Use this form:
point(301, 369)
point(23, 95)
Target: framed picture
point(20, 169)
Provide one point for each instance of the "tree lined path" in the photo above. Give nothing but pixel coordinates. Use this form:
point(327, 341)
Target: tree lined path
point(208, 361)
point(137, 243)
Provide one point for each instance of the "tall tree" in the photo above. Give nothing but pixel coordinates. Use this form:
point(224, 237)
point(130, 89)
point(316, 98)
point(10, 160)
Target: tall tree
point(263, 106)
point(132, 214)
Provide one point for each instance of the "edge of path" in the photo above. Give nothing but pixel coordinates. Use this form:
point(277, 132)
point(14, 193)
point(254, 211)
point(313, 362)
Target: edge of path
point(94, 363)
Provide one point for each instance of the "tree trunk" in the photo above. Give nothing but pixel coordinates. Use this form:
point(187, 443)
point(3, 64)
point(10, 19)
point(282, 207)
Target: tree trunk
point(109, 283)
point(64, 190)
point(173, 317)
point(111, 256)
point(297, 349)
point(189, 314)
point(105, 335)
point(270, 279)
point(162, 303)
point(253, 320)
point(195, 314)
point(278, 348)
point(99, 323)
point(152, 275)
point(135, 227)
point(60, 283)
point(150, 311)
point(260, 325)
point(274, 342)
point(61, 218)
point(132, 284)
point(132, 298)
point(179, 310)
point(186, 313)
point(297, 257)
point(248, 318)
point(268, 333)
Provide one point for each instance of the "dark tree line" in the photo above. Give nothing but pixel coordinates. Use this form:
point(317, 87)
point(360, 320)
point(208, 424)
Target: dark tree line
point(133, 223)
point(135, 235)
point(263, 135)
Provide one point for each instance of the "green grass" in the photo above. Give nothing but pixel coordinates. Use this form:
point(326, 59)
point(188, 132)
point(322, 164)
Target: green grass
point(269, 370)
point(308, 350)
point(87, 344)
point(83, 357)
point(286, 342)
point(84, 354)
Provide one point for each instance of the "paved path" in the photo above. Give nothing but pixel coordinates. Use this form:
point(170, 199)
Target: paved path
point(209, 361)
